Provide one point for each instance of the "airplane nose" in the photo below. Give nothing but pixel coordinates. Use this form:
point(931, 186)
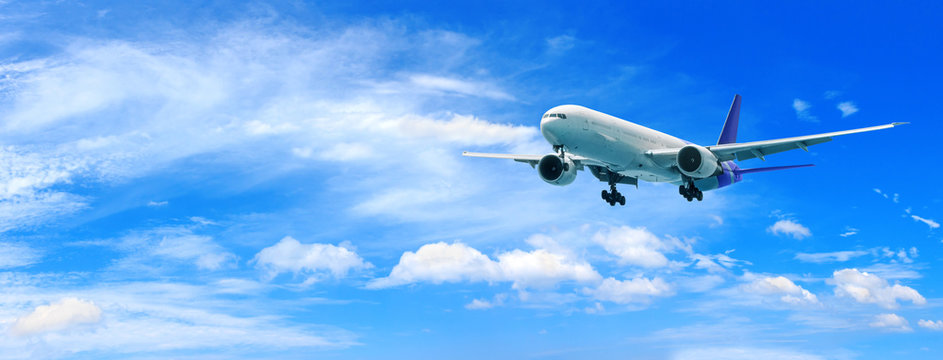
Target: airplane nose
point(549, 126)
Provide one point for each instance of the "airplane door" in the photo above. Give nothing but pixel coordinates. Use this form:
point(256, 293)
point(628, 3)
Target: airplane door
point(585, 123)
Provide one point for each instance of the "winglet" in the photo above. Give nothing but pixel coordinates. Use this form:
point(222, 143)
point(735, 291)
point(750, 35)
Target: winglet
point(729, 134)
point(899, 123)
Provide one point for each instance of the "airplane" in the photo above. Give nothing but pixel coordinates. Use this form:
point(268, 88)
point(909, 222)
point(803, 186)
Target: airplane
point(617, 151)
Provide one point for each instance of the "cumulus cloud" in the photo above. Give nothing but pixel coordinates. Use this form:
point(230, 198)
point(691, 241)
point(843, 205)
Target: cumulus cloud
point(847, 108)
point(871, 289)
point(932, 224)
point(931, 325)
point(441, 262)
point(637, 246)
point(775, 286)
point(802, 110)
point(65, 313)
point(789, 228)
point(891, 322)
point(827, 257)
point(627, 291)
point(313, 260)
point(542, 269)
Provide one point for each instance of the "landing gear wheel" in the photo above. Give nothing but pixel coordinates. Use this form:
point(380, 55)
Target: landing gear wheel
point(700, 195)
point(682, 190)
point(605, 195)
point(622, 200)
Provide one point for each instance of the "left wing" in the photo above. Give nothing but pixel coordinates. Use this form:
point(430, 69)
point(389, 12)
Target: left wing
point(759, 149)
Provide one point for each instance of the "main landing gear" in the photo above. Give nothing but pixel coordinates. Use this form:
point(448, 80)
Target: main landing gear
point(690, 192)
point(614, 196)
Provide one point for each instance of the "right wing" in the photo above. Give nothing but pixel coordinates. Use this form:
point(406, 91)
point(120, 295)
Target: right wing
point(598, 168)
point(534, 159)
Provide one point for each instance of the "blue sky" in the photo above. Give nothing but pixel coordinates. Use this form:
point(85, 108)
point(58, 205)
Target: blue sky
point(284, 179)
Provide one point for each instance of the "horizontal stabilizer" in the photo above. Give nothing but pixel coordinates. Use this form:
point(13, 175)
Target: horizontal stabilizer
point(771, 168)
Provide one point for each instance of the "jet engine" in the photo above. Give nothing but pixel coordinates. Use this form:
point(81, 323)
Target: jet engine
point(698, 162)
point(555, 170)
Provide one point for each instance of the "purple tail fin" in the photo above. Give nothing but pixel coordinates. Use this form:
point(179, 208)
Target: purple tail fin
point(772, 168)
point(729, 134)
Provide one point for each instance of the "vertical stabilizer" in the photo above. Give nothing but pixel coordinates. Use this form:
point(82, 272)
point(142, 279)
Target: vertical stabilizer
point(729, 134)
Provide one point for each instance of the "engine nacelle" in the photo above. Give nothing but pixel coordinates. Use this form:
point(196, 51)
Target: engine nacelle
point(555, 170)
point(698, 162)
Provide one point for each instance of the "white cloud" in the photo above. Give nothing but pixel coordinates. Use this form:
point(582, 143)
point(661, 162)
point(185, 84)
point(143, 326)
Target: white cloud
point(891, 322)
point(199, 249)
point(146, 319)
point(561, 43)
point(826, 257)
point(459, 86)
point(13, 255)
point(881, 193)
point(157, 203)
point(790, 228)
point(176, 243)
point(847, 108)
point(313, 260)
point(637, 246)
point(790, 292)
point(482, 304)
point(849, 231)
point(932, 224)
point(627, 291)
point(802, 110)
point(871, 289)
point(60, 315)
point(438, 263)
point(717, 263)
point(478, 304)
point(931, 325)
point(543, 269)
point(133, 106)
point(742, 353)
point(441, 262)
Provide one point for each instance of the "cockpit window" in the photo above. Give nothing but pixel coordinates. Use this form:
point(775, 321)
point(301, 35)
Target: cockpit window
point(562, 116)
point(546, 116)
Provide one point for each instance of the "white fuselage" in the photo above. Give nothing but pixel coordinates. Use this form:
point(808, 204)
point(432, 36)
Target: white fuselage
point(592, 134)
